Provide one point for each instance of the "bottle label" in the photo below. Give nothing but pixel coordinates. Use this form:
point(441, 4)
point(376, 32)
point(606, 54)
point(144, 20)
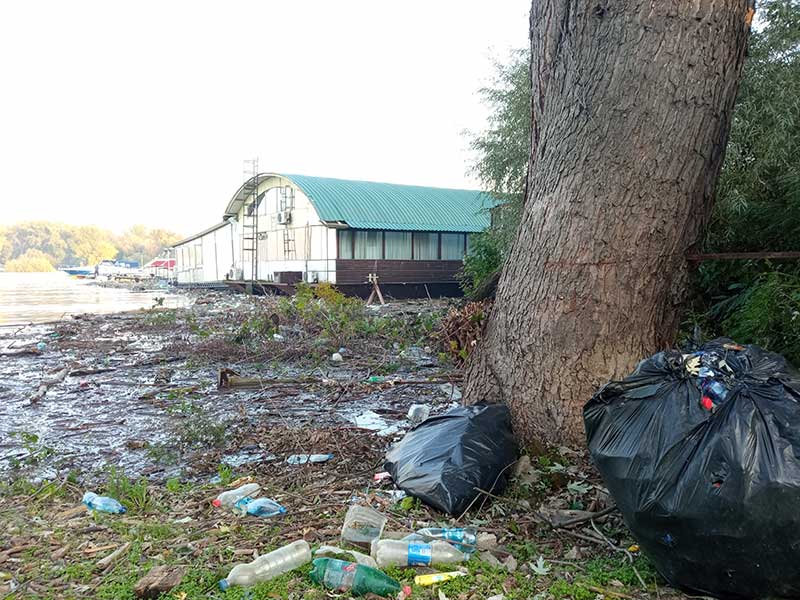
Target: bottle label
point(339, 576)
point(419, 555)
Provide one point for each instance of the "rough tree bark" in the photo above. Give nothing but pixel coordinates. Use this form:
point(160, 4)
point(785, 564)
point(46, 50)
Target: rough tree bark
point(631, 105)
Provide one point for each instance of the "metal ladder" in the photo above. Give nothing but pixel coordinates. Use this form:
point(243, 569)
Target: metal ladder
point(250, 222)
point(288, 244)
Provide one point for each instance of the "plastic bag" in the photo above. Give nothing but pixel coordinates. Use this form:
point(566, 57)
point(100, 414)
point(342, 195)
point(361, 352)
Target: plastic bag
point(701, 453)
point(443, 460)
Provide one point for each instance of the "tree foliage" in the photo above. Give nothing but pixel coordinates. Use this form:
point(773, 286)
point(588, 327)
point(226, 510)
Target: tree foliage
point(758, 195)
point(69, 245)
point(32, 261)
point(502, 163)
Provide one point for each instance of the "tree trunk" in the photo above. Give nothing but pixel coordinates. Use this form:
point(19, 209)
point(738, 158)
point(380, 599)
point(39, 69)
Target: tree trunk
point(631, 105)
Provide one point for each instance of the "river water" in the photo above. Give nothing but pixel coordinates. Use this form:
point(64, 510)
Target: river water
point(42, 297)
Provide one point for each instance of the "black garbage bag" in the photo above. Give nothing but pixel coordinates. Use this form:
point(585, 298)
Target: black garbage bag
point(443, 459)
point(701, 453)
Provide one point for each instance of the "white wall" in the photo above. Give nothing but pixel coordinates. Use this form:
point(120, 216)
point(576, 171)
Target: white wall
point(313, 249)
point(206, 259)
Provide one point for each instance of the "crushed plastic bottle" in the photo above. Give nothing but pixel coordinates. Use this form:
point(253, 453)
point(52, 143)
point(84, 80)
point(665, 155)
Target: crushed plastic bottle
point(268, 566)
point(231, 497)
point(343, 576)
point(41, 346)
point(103, 503)
point(362, 525)
point(465, 539)
point(404, 553)
point(301, 459)
point(259, 507)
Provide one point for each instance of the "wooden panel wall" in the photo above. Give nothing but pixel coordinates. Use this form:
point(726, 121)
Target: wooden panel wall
point(397, 271)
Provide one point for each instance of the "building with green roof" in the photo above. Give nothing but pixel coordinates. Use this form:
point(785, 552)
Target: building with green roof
point(284, 228)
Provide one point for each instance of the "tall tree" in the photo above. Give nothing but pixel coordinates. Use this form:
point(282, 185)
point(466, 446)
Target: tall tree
point(631, 105)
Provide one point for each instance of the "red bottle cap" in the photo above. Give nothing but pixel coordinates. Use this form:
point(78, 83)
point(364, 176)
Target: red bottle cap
point(407, 591)
point(707, 403)
point(216, 502)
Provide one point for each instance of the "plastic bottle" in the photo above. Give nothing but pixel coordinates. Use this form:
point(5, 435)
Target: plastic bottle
point(343, 576)
point(714, 391)
point(260, 507)
point(362, 525)
point(465, 539)
point(417, 413)
point(228, 499)
point(404, 553)
point(434, 578)
point(103, 503)
point(269, 565)
point(301, 459)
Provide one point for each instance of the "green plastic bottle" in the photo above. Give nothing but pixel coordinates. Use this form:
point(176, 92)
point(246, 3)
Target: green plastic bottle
point(343, 576)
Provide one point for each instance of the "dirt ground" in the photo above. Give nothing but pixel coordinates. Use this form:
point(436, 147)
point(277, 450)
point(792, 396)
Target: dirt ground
point(138, 415)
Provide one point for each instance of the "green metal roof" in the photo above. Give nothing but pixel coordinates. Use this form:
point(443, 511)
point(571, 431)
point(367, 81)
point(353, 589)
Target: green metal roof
point(371, 205)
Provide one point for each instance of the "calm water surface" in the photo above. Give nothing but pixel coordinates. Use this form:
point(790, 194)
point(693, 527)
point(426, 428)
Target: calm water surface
point(41, 297)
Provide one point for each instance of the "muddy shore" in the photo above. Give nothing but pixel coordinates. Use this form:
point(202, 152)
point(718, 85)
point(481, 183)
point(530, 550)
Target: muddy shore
point(141, 393)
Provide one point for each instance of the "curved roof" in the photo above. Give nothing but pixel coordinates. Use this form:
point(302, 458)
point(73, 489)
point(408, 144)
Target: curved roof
point(372, 205)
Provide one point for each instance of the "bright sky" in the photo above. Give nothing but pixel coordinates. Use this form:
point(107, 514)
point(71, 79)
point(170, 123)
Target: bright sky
point(115, 113)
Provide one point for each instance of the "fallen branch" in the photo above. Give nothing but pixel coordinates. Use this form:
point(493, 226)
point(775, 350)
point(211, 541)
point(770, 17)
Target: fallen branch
point(33, 351)
point(81, 372)
point(48, 382)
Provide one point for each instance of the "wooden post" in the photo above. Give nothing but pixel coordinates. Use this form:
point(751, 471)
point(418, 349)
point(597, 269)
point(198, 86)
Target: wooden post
point(376, 290)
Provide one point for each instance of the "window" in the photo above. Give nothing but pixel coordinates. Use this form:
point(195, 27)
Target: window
point(426, 246)
point(398, 245)
point(452, 246)
point(369, 244)
point(345, 243)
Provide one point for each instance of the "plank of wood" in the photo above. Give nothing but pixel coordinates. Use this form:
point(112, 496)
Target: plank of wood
point(159, 580)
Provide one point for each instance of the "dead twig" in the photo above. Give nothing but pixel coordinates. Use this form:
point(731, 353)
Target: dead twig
point(113, 557)
point(623, 550)
point(584, 519)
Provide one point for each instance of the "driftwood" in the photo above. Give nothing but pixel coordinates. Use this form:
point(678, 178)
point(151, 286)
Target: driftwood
point(32, 351)
point(81, 372)
point(49, 381)
point(230, 379)
point(159, 580)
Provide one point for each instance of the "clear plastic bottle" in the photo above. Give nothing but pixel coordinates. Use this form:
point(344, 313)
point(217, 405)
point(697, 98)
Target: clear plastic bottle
point(343, 576)
point(269, 565)
point(301, 459)
point(465, 539)
point(103, 503)
point(362, 525)
point(404, 553)
point(231, 497)
point(260, 507)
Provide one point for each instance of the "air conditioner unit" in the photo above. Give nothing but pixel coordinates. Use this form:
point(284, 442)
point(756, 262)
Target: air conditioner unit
point(285, 217)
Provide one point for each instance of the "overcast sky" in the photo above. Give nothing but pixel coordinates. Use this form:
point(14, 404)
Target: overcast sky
point(115, 113)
